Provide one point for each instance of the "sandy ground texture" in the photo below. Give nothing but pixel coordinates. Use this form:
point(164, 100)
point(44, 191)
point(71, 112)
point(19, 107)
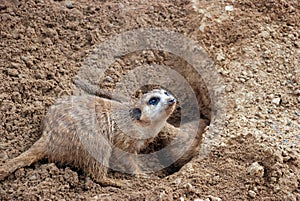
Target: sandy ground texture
point(256, 48)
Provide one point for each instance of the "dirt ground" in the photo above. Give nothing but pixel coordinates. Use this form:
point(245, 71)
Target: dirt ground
point(256, 48)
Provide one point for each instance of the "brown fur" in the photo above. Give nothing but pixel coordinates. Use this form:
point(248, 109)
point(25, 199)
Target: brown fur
point(76, 123)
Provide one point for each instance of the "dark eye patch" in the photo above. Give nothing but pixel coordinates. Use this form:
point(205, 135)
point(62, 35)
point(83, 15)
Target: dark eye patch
point(136, 113)
point(154, 101)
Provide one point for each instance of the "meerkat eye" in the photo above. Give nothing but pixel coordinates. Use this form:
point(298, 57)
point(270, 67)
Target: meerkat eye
point(154, 101)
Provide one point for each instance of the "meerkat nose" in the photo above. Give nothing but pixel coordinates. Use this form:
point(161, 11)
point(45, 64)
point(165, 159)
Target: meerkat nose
point(172, 101)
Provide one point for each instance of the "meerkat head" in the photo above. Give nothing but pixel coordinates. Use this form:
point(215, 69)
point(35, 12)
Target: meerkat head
point(154, 107)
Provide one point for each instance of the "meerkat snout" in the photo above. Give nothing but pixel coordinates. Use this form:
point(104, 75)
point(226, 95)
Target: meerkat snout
point(172, 101)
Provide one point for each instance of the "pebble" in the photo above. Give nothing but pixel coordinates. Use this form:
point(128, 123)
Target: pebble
point(189, 167)
point(276, 101)
point(251, 193)
point(220, 57)
point(3, 156)
point(150, 56)
point(202, 27)
point(15, 65)
point(69, 5)
point(256, 170)
point(212, 198)
point(297, 92)
point(243, 80)
point(265, 34)
point(229, 8)
point(47, 41)
point(228, 88)
point(33, 177)
point(188, 186)
point(109, 79)
point(177, 181)
point(12, 72)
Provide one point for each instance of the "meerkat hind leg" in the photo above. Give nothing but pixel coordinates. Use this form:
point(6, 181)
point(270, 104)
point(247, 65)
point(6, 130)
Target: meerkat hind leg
point(97, 170)
point(33, 154)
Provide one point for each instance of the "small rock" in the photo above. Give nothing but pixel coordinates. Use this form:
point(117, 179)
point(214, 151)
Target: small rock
point(265, 34)
point(150, 56)
point(229, 8)
point(245, 73)
point(212, 198)
point(181, 199)
point(33, 177)
point(69, 5)
point(188, 186)
point(228, 88)
point(108, 79)
point(202, 27)
point(189, 167)
point(251, 193)
point(30, 31)
point(14, 65)
point(3, 156)
point(276, 101)
point(297, 92)
point(177, 181)
point(243, 80)
point(298, 99)
point(269, 70)
point(12, 72)
point(220, 57)
point(256, 170)
point(47, 41)
point(198, 199)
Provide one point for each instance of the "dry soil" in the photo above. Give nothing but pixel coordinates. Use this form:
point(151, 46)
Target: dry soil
point(256, 48)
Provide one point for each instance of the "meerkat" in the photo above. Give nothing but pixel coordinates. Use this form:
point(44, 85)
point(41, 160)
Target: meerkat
point(185, 146)
point(84, 131)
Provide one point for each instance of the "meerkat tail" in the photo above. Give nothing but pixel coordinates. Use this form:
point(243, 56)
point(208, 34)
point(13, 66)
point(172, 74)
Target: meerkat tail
point(36, 152)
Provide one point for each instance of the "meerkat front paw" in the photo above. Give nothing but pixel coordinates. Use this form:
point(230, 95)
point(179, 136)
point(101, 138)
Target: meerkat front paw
point(112, 182)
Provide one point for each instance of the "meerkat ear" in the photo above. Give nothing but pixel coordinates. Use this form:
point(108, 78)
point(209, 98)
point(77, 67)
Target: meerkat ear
point(136, 113)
